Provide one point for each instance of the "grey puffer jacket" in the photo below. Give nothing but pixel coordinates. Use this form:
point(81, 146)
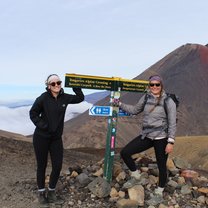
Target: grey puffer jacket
point(155, 123)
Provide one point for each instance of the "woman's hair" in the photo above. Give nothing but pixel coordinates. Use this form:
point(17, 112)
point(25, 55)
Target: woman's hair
point(50, 77)
point(156, 77)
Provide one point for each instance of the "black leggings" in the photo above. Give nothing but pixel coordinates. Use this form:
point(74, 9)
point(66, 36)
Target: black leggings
point(138, 145)
point(42, 147)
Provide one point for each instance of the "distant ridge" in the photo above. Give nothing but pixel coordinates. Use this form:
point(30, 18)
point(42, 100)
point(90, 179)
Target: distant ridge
point(18, 137)
point(95, 97)
point(17, 104)
point(185, 72)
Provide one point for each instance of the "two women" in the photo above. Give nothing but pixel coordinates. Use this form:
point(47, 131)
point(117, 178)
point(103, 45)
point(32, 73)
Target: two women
point(47, 113)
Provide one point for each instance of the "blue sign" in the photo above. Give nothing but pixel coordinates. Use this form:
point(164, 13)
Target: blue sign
point(123, 113)
point(105, 111)
point(101, 111)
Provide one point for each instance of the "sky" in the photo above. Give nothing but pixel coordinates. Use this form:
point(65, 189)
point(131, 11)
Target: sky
point(111, 38)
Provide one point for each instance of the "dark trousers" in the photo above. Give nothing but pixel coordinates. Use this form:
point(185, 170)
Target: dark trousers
point(43, 147)
point(138, 145)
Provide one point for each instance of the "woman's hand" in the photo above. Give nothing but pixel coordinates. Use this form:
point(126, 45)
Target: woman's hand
point(116, 102)
point(169, 148)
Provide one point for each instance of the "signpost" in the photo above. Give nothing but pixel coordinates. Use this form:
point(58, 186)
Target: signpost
point(90, 82)
point(115, 85)
point(104, 83)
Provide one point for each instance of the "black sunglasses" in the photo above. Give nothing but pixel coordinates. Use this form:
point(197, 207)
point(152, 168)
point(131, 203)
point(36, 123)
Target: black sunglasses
point(154, 84)
point(54, 83)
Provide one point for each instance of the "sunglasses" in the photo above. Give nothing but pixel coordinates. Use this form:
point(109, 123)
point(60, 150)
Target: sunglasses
point(55, 83)
point(154, 84)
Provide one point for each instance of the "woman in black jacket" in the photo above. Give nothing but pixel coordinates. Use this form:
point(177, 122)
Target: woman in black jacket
point(47, 114)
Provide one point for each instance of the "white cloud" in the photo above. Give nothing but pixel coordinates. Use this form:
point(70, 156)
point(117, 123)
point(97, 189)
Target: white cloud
point(17, 120)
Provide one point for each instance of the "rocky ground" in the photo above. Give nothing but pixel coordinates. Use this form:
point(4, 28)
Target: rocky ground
point(82, 185)
point(17, 172)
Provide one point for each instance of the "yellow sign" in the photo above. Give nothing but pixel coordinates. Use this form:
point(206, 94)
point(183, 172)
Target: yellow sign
point(105, 83)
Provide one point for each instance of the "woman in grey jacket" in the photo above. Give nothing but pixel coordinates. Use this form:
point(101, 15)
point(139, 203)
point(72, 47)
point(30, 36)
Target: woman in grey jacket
point(158, 130)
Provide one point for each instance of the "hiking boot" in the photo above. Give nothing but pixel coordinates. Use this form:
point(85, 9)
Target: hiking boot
point(159, 191)
point(156, 197)
point(135, 179)
point(155, 200)
point(136, 174)
point(52, 198)
point(130, 183)
point(43, 201)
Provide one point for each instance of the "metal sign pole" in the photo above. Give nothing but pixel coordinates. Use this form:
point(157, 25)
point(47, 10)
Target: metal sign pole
point(111, 138)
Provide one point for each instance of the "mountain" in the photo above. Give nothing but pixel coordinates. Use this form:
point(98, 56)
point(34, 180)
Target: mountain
point(185, 73)
point(14, 136)
point(96, 96)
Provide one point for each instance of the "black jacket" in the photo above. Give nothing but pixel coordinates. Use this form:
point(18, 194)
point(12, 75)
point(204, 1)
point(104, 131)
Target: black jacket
point(47, 112)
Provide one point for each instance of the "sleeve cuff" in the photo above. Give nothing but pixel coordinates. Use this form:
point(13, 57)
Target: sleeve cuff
point(171, 141)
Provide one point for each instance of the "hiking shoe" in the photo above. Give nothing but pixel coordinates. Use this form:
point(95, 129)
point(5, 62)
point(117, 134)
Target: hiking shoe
point(136, 175)
point(52, 198)
point(43, 201)
point(135, 179)
point(155, 200)
point(156, 197)
point(159, 191)
point(130, 183)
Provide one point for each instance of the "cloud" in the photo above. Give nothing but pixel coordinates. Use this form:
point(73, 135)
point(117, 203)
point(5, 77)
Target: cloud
point(17, 120)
